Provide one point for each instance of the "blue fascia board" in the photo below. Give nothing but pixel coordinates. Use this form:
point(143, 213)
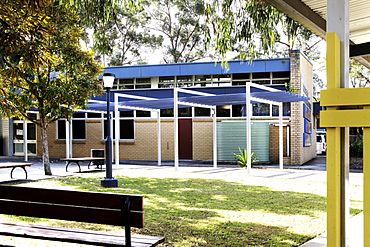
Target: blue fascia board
point(199, 68)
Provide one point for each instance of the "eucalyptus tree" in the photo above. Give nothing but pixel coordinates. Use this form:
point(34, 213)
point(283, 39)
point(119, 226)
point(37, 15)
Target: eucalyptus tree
point(42, 64)
point(181, 23)
point(124, 36)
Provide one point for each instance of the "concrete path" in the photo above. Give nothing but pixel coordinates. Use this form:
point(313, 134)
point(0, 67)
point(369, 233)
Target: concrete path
point(356, 234)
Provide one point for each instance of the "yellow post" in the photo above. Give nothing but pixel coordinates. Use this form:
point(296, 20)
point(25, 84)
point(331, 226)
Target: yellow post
point(366, 172)
point(333, 156)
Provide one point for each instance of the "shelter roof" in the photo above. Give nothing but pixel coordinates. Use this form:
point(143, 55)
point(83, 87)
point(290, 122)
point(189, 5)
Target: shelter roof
point(163, 98)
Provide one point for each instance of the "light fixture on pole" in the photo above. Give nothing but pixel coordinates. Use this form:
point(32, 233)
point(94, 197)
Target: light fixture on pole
point(108, 181)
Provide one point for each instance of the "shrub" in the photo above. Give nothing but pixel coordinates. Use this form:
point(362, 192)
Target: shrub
point(242, 157)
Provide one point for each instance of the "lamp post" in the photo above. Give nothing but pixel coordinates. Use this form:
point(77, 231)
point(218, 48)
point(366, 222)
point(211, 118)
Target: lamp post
point(108, 181)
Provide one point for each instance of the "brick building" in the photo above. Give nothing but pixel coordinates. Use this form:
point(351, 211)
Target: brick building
point(138, 128)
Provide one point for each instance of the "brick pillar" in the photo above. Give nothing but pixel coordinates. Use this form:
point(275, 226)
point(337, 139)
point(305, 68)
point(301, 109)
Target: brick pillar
point(296, 124)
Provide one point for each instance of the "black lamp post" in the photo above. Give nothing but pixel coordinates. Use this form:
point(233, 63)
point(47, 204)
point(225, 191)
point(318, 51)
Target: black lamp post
point(108, 181)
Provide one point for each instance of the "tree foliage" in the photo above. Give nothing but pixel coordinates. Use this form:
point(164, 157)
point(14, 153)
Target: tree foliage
point(124, 36)
point(252, 28)
point(181, 22)
point(43, 65)
point(359, 74)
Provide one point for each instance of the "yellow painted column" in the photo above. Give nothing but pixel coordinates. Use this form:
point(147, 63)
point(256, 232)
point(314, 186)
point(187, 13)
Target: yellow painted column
point(333, 156)
point(366, 172)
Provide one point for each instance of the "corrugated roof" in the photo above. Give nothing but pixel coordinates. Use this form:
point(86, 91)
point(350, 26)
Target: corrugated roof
point(359, 17)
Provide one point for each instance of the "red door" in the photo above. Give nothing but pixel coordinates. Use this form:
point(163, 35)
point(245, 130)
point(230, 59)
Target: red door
point(185, 139)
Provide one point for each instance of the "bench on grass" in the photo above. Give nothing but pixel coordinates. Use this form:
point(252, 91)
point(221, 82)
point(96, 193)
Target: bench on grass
point(79, 206)
point(14, 165)
point(98, 161)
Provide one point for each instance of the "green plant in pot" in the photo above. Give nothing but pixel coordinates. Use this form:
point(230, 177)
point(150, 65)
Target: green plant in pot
point(242, 157)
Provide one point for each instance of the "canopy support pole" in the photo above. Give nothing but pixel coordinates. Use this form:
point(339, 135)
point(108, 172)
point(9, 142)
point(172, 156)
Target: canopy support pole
point(70, 138)
point(281, 147)
point(176, 128)
point(111, 134)
point(214, 137)
point(67, 138)
point(25, 144)
point(248, 123)
point(116, 129)
point(287, 140)
point(159, 137)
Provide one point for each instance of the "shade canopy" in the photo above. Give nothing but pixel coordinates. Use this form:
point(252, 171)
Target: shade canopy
point(154, 99)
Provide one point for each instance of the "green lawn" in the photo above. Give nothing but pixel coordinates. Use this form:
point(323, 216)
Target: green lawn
point(207, 212)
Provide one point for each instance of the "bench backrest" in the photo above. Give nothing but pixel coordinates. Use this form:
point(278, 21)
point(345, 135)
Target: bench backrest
point(81, 206)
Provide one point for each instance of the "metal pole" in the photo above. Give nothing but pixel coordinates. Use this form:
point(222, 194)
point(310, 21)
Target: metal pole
point(70, 138)
point(159, 137)
point(214, 137)
point(25, 144)
point(176, 128)
point(248, 110)
point(116, 129)
point(281, 147)
point(287, 140)
point(108, 181)
point(67, 139)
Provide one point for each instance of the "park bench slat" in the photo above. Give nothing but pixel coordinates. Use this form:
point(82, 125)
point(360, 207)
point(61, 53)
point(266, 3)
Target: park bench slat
point(77, 198)
point(75, 235)
point(14, 164)
point(72, 213)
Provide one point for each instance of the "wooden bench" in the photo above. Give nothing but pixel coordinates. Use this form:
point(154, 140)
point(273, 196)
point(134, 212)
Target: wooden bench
point(90, 207)
point(14, 165)
point(99, 161)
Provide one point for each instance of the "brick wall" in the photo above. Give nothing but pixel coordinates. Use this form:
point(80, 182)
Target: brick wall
point(202, 140)
point(274, 145)
point(300, 73)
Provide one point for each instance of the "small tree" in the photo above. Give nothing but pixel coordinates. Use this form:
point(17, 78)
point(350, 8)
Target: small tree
point(45, 68)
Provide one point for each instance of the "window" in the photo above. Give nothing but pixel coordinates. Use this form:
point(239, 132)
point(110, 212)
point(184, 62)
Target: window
point(238, 110)
point(79, 115)
point(286, 110)
point(185, 112)
point(61, 129)
point(184, 81)
point(166, 112)
point(202, 112)
point(126, 129)
point(261, 109)
point(223, 111)
point(203, 81)
point(124, 114)
point(93, 115)
point(166, 82)
point(142, 113)
point(125, 84)
point(222, 80)
point(143, 83)
point(78, 130)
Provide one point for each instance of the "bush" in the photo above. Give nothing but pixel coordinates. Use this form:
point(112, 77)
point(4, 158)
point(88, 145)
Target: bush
point(242, 157)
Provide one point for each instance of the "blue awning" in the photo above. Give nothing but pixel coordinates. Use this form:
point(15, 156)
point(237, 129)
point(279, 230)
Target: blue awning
point(163, 98)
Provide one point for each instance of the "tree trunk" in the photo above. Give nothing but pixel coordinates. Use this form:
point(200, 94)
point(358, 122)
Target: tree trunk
point(45, 150)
